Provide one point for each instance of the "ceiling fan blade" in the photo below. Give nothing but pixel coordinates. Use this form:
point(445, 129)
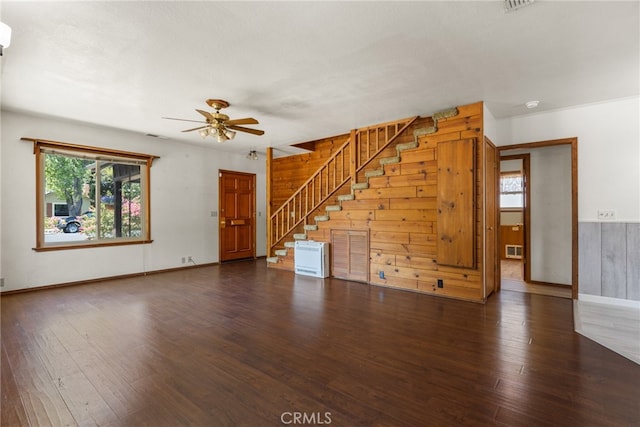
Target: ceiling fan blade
point(248, 130)
point(245, 121)
point(206, 114)
point(198, 128)
point(184, 120)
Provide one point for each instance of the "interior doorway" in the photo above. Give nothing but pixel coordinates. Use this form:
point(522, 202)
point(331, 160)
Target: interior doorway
point(513, 212)
point(539, 241)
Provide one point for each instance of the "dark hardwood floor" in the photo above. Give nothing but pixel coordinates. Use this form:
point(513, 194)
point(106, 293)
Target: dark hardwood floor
point(240, 344)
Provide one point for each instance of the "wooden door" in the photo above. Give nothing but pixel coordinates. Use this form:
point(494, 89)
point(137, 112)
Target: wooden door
point(491, 258)
point(237, 199)
point(350, 255)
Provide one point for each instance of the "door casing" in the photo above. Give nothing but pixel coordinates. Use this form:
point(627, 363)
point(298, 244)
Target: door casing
point(237, 223)
point(573, 143)
point(491, 259)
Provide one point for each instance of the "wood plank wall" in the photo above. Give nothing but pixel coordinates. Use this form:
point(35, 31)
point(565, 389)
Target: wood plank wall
point(415, 265)
point(604, 248)
point(399, 212)
point(289, 173)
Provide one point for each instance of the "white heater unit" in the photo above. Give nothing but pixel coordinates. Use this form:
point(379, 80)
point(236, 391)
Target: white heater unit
point(312, 258)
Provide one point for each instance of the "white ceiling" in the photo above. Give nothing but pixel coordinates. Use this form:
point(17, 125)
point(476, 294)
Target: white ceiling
point(308, 70)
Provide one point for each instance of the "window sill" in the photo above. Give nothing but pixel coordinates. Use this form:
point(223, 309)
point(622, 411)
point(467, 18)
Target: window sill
point(91, 245)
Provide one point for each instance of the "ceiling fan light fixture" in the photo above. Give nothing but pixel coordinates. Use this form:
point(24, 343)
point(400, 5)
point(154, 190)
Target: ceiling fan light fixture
point(221, 136)
point(531, 104)
point(5, 36)
point(218, 125)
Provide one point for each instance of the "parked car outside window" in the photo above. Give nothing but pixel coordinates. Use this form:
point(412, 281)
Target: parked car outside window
point(72, 224)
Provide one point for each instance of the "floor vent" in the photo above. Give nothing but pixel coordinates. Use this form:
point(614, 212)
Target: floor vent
point(513, 251)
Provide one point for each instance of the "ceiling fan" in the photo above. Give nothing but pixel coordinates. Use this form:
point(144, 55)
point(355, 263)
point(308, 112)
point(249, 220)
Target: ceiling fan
point(219, 125)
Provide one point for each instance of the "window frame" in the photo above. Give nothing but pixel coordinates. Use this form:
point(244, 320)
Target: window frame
point(504, 174)
point(40, 146)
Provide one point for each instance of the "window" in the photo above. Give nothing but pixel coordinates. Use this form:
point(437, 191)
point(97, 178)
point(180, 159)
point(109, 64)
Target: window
point(511, 190)
point(60, 210)
point(102, 196)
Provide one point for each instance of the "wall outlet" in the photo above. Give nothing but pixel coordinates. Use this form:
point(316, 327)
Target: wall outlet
point(440, 283)
point(184, 260)
point(381, 274)
point(606, 215)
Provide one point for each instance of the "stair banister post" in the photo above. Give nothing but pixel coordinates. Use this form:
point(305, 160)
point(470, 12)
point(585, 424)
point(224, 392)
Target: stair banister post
point(269, 225)
point(353, 159)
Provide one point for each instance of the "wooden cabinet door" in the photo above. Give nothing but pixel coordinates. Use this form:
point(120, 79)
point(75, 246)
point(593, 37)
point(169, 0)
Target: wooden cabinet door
point(350, 255)
point(456, 203)
point(237, 215)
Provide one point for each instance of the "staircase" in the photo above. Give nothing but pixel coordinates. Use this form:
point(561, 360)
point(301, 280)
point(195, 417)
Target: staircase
point(331, 185)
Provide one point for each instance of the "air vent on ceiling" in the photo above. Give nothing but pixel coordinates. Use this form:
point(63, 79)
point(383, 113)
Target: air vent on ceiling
point(511, 5)
point(153, 135)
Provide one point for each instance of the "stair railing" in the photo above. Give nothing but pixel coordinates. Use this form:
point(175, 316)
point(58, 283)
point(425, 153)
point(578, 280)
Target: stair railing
point(370, 141)
point(316, 190)
point(358, 151)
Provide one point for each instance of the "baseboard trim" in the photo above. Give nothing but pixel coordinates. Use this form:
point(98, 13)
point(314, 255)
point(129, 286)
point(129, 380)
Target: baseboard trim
point(609, 301)
point(104, 279)
point(557, 285)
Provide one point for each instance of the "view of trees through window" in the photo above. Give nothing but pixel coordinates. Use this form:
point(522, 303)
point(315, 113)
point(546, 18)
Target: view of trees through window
point(103, 198)
point(90, 196)
point(511, 190)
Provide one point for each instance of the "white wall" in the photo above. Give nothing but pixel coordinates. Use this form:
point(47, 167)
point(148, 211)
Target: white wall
point(608, 160)
point(608, 151)
point(1, 198)
point(184, 192)
point(514, 165)
point(550, 189)
point(1, 70)
point(511, 218)
point(489, 124)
